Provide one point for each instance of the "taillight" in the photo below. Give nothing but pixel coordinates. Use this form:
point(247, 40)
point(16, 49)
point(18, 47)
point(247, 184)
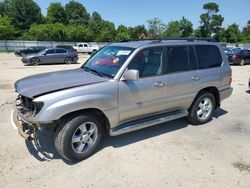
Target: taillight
point(234, 57)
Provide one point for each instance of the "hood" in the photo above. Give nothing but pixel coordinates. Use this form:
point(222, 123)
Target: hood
point(39, 84)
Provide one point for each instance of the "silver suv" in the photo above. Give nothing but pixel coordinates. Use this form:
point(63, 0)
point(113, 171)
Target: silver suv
point(124, 87)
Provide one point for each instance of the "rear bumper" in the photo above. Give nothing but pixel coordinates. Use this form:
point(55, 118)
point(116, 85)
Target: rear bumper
point(225, 93)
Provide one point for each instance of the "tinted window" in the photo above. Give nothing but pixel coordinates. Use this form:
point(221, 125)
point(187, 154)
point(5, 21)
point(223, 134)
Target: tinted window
point(208, 56)
point(192, 61)
point(50, 51)
point(85, 45)
point(148, 62)
point(80, 45)
point(60, 51)
point(177, 58)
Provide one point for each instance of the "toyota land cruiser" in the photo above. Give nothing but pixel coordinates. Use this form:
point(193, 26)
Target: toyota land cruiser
point(123, 87)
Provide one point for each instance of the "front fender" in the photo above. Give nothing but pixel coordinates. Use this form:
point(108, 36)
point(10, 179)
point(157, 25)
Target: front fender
point(56, 110)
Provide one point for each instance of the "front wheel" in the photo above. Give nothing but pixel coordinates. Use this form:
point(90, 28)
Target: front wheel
point(68, 60)
point(78, 137)
point(202, 108)
point(35, 61)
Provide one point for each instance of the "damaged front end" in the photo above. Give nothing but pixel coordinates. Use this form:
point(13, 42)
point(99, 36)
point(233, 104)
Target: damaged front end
point(22, 117)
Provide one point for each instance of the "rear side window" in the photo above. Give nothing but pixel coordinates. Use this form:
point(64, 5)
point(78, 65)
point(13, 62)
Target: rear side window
point(180, 58)
point(60, 51)
point(177, 58)
point(208, 56)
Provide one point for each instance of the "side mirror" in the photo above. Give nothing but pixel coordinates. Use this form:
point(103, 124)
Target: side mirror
point(131, 75)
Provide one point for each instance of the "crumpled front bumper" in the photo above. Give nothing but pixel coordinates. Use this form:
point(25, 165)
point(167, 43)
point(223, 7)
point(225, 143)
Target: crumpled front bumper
point(18, 124)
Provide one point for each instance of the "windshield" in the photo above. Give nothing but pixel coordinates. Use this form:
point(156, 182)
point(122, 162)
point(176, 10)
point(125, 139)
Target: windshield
point(233, 51)
point(108, 60)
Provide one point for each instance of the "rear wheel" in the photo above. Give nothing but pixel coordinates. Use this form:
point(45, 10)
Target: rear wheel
point(68, 60)
point(35, 61)
point(242, 62)
point(202, 108)
point(78, 137)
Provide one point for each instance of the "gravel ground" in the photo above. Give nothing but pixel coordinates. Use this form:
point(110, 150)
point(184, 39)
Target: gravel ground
point(174, 154)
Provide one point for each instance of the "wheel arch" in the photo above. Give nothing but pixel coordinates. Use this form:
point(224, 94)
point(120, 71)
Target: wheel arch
point(97, 112)
point(215, 93)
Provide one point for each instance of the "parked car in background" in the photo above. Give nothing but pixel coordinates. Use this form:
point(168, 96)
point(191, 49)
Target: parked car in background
point(124, 87)
point(240, 57)
point(85, 48)
point(50, 56)
point(67, 47)
point(30, 50)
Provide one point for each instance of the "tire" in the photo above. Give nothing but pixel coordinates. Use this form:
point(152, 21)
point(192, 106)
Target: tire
point(35, 61)
point(86, 140)
point(199, 107)
point(242, 62)
point(68, 60)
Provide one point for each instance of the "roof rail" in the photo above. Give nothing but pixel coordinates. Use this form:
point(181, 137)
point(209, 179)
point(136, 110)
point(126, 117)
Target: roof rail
point(171, 39)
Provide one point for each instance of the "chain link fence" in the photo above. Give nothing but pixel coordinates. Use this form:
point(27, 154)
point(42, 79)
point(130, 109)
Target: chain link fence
point(14, 45)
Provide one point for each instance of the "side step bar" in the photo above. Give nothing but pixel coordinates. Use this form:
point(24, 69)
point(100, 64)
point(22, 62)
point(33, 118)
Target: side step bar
point(147, 122)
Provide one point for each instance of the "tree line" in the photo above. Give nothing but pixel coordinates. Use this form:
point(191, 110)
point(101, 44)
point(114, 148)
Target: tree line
point(22, 19)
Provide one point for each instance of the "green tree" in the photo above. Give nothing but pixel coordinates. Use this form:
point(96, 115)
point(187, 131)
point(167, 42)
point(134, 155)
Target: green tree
point(108, 33)
point(56, 13)
point(56, 32)
point(7, 31)
point(2, 7)
point(211, 21)
point(246, 32)
point(96, 25)
point(186, 27)
point(122, 33)
point(78, 33)
point(172, 30)
point(23, 13)
point(155, 27)
point(76, 13)
point(138, 32)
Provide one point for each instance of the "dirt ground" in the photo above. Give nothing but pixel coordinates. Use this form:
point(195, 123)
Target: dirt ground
point(174, 154)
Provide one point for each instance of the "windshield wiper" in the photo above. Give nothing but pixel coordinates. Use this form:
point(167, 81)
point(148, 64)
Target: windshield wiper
point(94, 71)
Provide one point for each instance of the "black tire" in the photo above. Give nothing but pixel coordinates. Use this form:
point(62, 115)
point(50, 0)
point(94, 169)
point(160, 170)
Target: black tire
point(68, 60)
point(35, 61)
point(242, 62)
point(66, 130)
point(193, 110)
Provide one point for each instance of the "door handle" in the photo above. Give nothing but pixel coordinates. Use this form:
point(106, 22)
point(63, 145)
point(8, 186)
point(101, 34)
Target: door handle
point(195, 78)
point(159, 84)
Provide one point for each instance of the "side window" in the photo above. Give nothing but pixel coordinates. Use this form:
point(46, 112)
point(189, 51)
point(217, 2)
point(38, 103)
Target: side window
point(149, 62)
point(208, 56)
point(60, 51)
point(80, 45)
point(177, 58)
point(50, 51)
point(85, 45)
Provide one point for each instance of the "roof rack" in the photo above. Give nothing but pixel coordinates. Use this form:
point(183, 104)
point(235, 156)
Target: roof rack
point(171, 39)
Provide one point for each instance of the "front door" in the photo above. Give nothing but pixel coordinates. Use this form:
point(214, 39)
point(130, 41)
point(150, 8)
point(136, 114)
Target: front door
point(146, 95)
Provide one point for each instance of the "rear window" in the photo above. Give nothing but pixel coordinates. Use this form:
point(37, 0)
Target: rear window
point(208, 56)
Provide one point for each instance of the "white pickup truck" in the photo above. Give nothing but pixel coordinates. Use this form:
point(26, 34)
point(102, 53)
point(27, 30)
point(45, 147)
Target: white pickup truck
point(85, 48)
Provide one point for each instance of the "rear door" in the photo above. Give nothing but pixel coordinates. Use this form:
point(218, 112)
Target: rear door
point(182, 76)
point(60, 55)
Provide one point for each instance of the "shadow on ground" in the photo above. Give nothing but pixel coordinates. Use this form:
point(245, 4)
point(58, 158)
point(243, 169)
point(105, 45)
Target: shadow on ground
point(43, 149)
